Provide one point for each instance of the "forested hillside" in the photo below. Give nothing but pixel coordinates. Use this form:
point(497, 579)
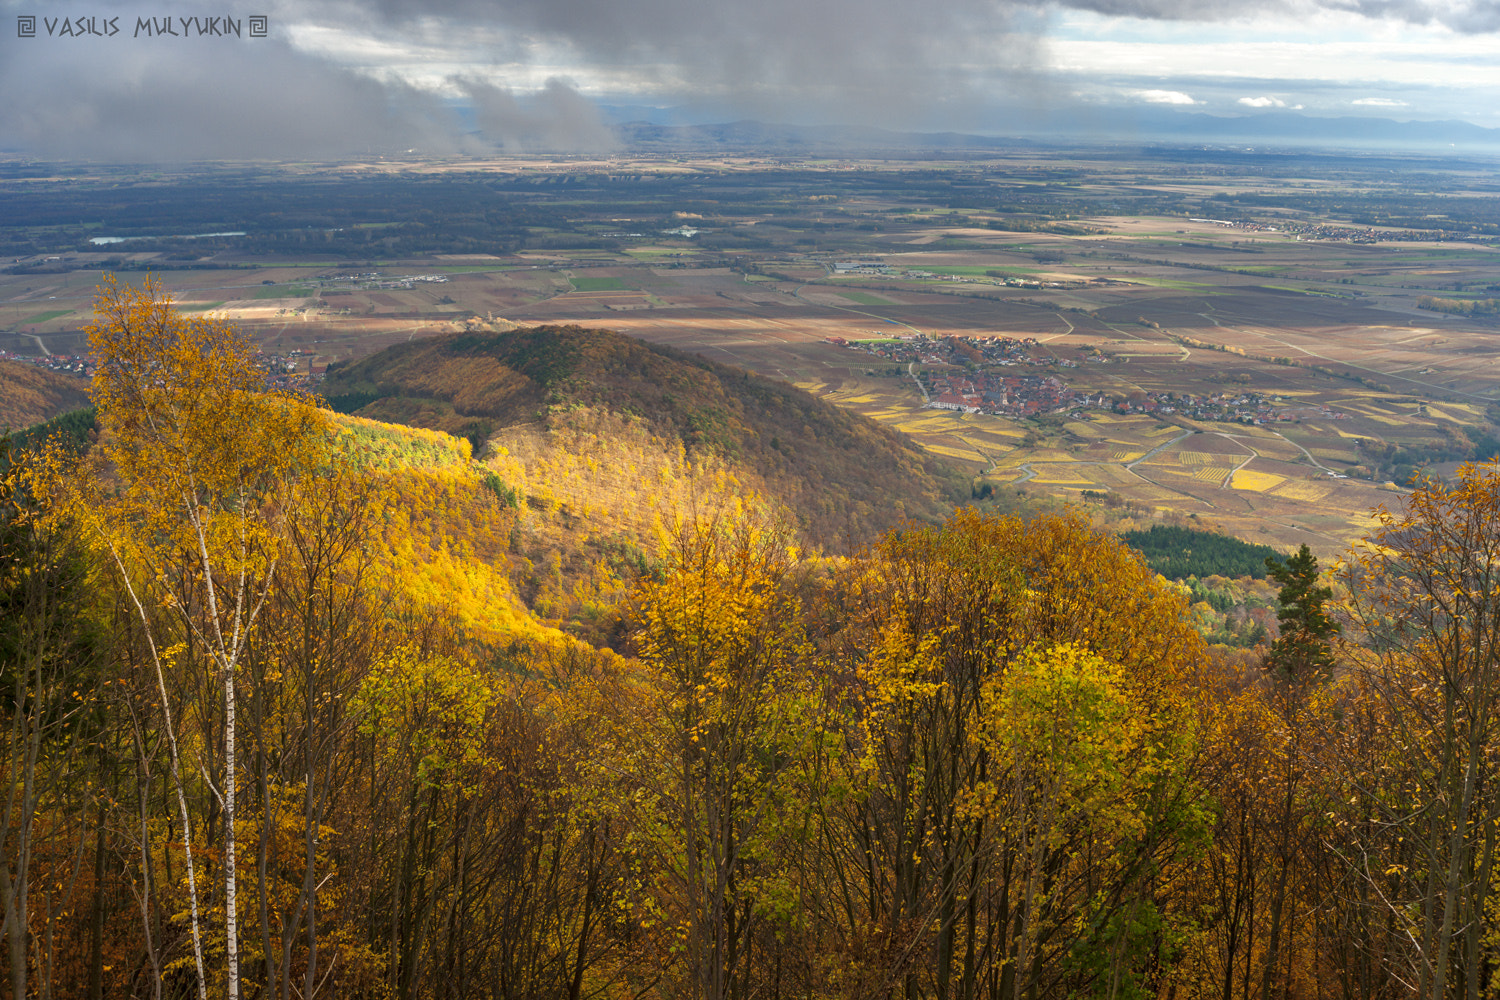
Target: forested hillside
point(289, 714)
point(1178, 553)
point(844, 478)
point(30, 395)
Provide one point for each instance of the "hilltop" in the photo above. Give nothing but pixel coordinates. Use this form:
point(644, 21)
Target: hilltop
point(30, 395)
point(553, 389)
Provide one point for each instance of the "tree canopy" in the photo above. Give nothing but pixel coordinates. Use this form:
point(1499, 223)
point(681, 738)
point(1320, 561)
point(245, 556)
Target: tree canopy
point(277, 724)
point(1178, 553)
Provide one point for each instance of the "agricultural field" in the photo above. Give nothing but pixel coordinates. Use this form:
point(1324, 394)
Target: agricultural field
point(1233, 349)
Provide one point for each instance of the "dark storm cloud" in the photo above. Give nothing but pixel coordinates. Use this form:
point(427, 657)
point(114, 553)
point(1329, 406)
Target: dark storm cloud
point(172, 98)
point(139, 98)
point(891, 62)
point(884, 59)
point(556, 119)
point(818, 36)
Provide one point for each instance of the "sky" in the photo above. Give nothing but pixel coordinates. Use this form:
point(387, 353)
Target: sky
point(334, 78)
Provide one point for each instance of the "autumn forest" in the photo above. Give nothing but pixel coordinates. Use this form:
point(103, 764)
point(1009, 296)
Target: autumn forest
point(301, 704)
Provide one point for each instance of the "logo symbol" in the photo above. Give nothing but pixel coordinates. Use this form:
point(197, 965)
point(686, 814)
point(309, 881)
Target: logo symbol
point(257, 25)
point(26, 26)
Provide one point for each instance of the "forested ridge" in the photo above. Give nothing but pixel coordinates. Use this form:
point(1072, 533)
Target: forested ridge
point(843, 477)
point(291, 712)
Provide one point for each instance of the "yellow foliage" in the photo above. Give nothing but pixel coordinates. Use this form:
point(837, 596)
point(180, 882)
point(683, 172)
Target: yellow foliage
point(1062, 719)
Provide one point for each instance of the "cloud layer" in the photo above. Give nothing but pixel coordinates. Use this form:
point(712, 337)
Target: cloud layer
point(334, 78)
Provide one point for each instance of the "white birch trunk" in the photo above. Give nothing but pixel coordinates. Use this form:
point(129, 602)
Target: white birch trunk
point(231, 911)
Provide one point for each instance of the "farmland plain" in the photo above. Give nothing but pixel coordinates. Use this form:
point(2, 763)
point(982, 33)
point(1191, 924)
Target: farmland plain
point(1240, 340)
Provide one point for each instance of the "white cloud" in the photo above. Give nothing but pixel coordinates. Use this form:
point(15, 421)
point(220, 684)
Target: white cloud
point(1164, 97)
point(1423, 58)
point(1262, 102)
point(1380, 102)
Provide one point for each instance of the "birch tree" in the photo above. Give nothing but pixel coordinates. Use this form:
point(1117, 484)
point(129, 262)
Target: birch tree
point(195, 479)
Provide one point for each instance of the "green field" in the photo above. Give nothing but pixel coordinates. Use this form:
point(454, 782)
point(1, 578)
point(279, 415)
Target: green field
point(284, 292)
point(197, 307)
point(965, 271)
point(598, 284)
point(44, 317)
point(661, 252)
point(865, 298)
point(990, 272)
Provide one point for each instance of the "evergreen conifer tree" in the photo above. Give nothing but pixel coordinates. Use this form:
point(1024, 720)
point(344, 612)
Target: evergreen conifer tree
point(1306, 629)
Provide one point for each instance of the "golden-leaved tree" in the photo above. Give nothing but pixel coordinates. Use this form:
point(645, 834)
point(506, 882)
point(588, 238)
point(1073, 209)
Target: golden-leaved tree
point(49, 724)
point(1074, 763)
point(1425, 608)
point(188, 497)
point(727, 711)
point(971, 865)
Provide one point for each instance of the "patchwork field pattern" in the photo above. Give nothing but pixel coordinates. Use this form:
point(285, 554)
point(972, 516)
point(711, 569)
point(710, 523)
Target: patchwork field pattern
point(1272, 384)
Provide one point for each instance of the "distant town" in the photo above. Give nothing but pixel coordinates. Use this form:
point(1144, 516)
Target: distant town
point(290, 370)
point(1366, 234)
point(970, 388)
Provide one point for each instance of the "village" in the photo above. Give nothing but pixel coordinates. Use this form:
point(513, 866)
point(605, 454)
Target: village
point(924, 350)
point(377, 280)
point(877, 269)
point(963, 383)
point(288, 371)
point(80, 365)
point(1365, 234)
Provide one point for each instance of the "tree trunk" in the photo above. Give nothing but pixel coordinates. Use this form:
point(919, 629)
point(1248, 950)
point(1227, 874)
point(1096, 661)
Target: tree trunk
point(96, 914)
point(231, 914)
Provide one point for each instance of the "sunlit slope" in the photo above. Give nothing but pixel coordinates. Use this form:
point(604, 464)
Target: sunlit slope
point(443, 545)
point(547, 535)
point(30, 395)
point(845, 477)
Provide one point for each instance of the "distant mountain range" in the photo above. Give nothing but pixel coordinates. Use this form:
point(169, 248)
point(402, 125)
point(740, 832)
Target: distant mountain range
point(797, 139)
point(653, 129)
